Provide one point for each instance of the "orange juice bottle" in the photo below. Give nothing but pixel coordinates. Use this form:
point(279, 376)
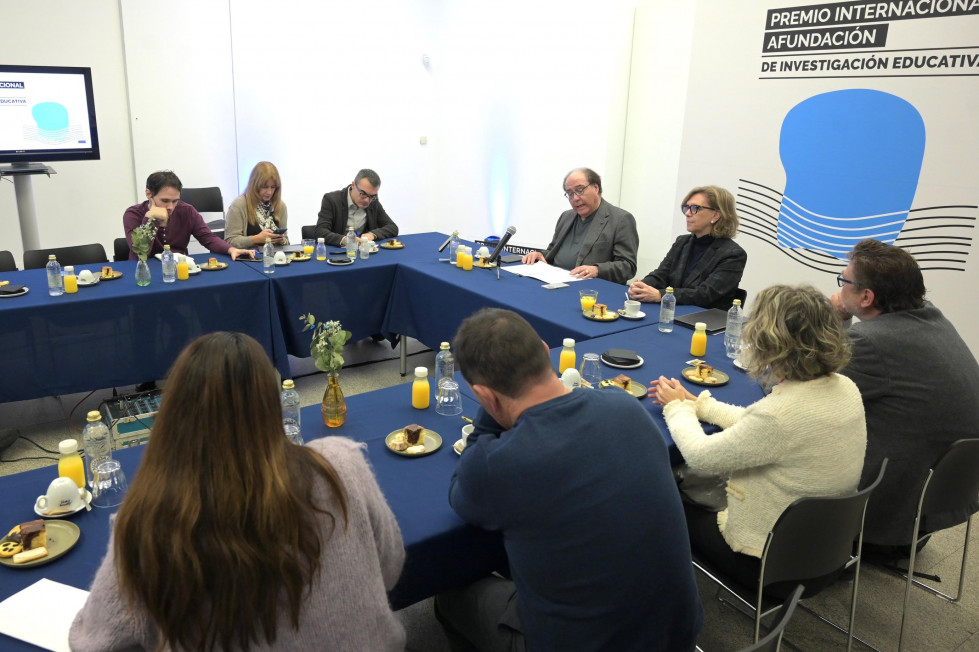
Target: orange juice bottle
point(467, 260)
point(698, 343)
point(70, 465)
point(183, 271)
point(71, 281)
point(420, 391)
point(567, 360)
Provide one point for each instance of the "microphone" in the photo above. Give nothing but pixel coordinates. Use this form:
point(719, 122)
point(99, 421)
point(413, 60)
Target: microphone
point(510, 230)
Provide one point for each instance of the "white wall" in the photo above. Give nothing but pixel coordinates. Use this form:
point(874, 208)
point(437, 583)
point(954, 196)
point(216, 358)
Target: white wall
point(85, 201)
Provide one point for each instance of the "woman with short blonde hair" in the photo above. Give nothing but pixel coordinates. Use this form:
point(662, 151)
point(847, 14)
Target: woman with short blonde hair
point(807, 438)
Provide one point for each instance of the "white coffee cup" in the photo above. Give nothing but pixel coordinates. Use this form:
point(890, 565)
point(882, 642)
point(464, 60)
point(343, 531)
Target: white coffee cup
point(632, 308)
point(280, 258)
point(483, 252)
point(63, 496)
point(86, 276)
point(191, 265)
point(466, 431)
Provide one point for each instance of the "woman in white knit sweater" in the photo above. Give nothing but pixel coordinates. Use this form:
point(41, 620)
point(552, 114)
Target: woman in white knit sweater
point(807, 438)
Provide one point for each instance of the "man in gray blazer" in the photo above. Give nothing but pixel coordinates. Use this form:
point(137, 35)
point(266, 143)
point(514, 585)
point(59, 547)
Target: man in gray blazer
point(357, 206)
point(919, 382)
point(594, 238)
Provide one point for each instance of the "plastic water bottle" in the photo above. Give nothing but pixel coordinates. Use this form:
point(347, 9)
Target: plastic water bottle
point(453, 247)
point(268, 257)
point(667, 308)
point(351, 243)
point(320, 249)
point(56, 284)
point(169, 265)
point(97, 443)
point(732, 331)
point(290, 412)
point(445, 365)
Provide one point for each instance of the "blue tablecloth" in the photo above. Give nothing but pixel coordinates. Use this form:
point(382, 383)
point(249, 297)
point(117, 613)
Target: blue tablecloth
point(430, 299)
point(117, 333)
point(442, 551)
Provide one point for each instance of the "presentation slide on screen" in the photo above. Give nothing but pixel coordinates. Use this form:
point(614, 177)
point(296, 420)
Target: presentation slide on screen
point(43, 112)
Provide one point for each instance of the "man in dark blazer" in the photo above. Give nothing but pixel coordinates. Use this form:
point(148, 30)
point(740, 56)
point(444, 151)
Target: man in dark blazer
point(918, 380)
point(355, 205)
point(594, 238)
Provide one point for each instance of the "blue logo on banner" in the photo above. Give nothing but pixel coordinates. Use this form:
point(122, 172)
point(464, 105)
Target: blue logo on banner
point(852, 160)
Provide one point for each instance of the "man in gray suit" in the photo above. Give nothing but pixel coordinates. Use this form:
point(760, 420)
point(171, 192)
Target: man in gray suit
point(919, 384)
point(594, 238)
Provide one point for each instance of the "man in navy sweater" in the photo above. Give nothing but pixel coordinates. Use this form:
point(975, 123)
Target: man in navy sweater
point(579, 483)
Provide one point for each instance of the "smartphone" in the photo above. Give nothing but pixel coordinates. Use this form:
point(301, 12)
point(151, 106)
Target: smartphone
point(279, 231)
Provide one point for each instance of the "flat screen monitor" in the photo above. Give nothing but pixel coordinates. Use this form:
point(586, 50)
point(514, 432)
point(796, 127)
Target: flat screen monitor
point(47, 114)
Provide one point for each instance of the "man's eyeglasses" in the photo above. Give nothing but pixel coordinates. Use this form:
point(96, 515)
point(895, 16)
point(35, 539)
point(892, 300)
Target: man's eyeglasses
point(577, 191)
point(840, 281)
point(364, 194)
point(693, 209)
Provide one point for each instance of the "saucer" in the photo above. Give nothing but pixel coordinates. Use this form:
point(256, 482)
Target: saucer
point(339, 262)
point(61, 537)
point(433, 442)
point(717, 376)
point(194, 272)
point(87, 501)
point(388, 245)
point(214, 269)
point(15, 294)
point(610, 315)
point(115, 275)
point(95, 281)
point(639, 315)
point(285, 264)
point(636, 388)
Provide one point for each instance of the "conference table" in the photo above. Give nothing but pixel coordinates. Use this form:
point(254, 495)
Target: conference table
point(116, 333)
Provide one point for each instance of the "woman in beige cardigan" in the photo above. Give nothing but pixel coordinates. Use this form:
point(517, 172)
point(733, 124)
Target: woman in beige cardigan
point(258, 212)
point(807, 438)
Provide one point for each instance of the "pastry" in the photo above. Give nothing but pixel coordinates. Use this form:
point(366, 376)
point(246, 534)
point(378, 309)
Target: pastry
point(704, 370)
point(212, 262)
point(600, 310)
point(414, 450)
point(414, 434)
point(622, 381)
point(10, 548)
point(30, 555)
point(33, 534)
point(398, 442)
point(106, 271)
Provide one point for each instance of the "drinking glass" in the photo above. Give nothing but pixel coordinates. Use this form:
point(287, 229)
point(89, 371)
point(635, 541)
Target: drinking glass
point(308, 246)
point(449, 401)
point(591, 369)
point(588, 299)
point(365, 248)
point(109, 485)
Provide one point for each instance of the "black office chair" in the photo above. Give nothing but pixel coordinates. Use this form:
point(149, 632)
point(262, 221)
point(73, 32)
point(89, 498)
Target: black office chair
point(120, 250)
point(951, 486)
point(206, 200)
point(742, 294)
point(308, 232)
point(773, 640)
point(812, 538)
point(75, 255)
point(7, 262)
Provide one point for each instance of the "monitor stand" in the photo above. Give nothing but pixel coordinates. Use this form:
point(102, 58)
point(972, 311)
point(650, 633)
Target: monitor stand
point(24, 192)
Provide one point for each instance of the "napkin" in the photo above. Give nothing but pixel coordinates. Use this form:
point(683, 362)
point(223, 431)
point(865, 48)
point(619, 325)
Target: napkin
point(11, 289)
point(47, 627)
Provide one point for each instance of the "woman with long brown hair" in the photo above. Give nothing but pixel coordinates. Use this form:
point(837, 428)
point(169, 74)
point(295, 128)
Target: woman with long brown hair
point(233, 538)
point(259, 211)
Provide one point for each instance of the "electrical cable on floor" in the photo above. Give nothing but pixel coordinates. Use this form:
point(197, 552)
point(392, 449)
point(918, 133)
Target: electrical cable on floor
point(52, 456)
point(72, 413)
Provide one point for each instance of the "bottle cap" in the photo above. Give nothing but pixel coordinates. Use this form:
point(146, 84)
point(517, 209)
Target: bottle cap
point(166, 247)
point(269, 239)
point(700, 326)
point(455, 233)
point(70, 269)
point(319, 239)
point(669, 290)
point(68, 446)
point(94, 416)
point(445, 346)
point(52, 257)
point(288, 384)
point(568, 341)
point(737, 302)
point(421, 372)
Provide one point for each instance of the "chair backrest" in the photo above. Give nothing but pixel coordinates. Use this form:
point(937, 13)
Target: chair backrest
point(205, 200)
point(742, 294)
point(773, 639)
point(120, 249)
point(7, 262)
point(814, 536)
point(74, 255)
point(954, 483)
point(308, 231)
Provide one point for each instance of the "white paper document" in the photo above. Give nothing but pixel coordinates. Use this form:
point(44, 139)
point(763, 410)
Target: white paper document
point(42, 613)
point(542, 272)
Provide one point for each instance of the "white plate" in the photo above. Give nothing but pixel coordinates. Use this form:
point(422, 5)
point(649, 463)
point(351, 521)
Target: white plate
point(285, 264)
point(329, 261)
point(622, 366)
point(88, 501)
point(83, 284)
point(640, 315)
point(18, 294)
point(737, 363)
point(193, 272)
